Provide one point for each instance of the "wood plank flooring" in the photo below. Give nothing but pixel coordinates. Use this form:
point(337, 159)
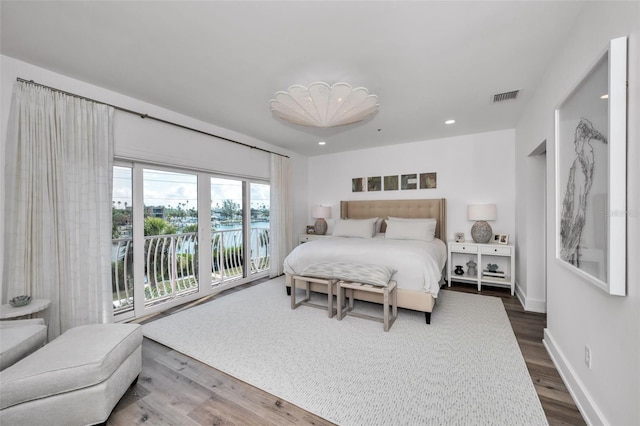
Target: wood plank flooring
point(175, 389)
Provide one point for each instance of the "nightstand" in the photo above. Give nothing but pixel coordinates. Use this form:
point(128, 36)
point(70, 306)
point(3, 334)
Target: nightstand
point(482, 254)
point(305, 238)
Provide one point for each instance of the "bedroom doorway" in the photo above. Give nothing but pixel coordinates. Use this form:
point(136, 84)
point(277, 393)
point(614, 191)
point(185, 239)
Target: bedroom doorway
point(537, 230)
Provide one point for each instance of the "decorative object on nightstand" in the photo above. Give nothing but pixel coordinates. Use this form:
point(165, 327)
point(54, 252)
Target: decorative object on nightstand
point(311, 229)
point(471, 271)
point(321, 213)
point(459, 270)
point(481, 231)
point(459, 237)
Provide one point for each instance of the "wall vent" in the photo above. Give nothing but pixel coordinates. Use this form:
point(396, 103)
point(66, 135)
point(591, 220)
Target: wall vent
point(499, 97)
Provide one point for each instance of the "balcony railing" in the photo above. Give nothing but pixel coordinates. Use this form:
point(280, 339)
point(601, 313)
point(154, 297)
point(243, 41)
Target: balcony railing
point(171, 264)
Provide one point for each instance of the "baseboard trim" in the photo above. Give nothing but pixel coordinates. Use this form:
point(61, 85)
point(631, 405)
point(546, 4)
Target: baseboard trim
point(521, 297)
point(587, 407)
point(531, 305)
point(536, 305)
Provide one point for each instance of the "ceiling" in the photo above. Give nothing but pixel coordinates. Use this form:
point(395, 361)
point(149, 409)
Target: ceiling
point(222, 62)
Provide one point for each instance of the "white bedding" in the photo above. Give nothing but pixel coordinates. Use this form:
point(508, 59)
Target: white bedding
point(419, 263)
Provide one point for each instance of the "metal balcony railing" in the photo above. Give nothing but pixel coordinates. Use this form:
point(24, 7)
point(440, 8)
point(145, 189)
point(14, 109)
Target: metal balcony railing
point(171, 264)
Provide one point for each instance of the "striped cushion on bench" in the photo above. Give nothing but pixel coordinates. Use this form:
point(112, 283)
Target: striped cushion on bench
point(378, 275)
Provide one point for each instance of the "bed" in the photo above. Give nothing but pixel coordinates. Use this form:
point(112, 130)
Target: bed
point(419, 265)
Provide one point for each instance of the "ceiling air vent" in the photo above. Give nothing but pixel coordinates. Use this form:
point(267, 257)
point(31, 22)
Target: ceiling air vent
point(499, 97)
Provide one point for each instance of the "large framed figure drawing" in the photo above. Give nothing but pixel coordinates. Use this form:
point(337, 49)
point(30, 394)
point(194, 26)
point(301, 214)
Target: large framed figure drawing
point(590, 164)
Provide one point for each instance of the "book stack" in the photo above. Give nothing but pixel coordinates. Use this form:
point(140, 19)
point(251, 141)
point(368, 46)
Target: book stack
point(493, 274)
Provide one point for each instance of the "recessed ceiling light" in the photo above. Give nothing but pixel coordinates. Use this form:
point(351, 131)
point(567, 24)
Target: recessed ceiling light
point(449, 121)
point(322, 143)
point(605, 96)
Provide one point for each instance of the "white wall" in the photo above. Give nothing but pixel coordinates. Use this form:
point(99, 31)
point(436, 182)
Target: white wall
point(471, 169)
point(152, 141)
point(578, 313)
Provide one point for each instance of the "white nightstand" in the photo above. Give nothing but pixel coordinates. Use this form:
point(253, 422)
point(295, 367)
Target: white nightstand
point(305, 238)
point(482, 254)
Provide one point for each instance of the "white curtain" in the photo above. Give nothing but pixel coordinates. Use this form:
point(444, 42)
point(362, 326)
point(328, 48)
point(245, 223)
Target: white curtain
point(59, 156)
point(281, 216)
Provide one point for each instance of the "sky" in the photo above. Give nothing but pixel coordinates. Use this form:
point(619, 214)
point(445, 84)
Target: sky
point(163, 188)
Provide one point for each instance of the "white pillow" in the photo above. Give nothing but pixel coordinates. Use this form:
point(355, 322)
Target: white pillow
point(411, 219)
point(398, 230)
point(358, 228)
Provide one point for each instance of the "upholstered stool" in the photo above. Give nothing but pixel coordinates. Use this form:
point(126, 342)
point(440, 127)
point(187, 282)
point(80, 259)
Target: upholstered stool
point(19, 338)
point(76, 379)
point(308, 280)
point(388, 292)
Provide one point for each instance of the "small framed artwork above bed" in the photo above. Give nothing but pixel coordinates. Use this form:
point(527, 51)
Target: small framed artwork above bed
point(405, 235)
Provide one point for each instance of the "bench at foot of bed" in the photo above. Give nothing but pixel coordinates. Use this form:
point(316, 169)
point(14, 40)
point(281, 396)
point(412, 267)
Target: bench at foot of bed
point(407, 299)
point(306, 301)
point(389, 294)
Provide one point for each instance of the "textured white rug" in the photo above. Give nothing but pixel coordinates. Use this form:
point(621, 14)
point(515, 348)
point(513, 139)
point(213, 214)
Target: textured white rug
point(463, 368)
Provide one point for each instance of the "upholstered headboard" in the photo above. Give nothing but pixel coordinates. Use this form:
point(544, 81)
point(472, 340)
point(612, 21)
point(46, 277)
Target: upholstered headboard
point(431, 208)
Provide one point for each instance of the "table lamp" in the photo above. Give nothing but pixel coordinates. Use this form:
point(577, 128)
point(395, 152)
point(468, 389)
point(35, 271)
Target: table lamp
point(320, 213)
point(481, 231)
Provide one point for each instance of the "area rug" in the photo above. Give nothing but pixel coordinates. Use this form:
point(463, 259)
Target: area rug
point(463, 368)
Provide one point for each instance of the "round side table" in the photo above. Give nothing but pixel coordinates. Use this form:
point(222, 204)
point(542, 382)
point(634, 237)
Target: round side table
point(7, 311)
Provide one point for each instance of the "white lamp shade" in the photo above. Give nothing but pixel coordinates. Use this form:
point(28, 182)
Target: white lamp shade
point(320, 212)
point(482, 212)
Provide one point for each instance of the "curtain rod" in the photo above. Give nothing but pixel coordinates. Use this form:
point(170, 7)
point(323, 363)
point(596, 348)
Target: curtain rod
point(141, 115)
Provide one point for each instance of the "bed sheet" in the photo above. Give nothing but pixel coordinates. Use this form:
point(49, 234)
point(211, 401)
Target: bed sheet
point(419, 264)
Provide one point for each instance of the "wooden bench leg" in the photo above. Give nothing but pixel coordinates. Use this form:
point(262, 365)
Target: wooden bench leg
point(330, 298)
point(340, 300)
point(388, 322)
point(293, 293)
point(386, 309)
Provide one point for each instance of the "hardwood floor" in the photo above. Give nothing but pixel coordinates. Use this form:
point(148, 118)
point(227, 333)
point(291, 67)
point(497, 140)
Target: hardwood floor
point(174, 389)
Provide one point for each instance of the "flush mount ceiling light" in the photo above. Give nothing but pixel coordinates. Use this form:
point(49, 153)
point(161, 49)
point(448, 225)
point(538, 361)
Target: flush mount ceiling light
point(322, 105)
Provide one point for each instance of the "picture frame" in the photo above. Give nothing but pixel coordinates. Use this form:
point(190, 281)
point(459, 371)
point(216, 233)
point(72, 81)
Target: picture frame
point(504, 239)
point(374, 183)
point(311, 229)
point(590, 173)
point(496, 238)
point(357, 185)
point(391, 183)
point(409, 181)
point(428, 180)
point(459, 237)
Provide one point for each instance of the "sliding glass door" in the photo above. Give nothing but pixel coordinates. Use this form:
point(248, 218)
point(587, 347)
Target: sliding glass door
point(179, 235)
point(260, 236)
point(227, 230)
point(170, 235)
point(122, 276)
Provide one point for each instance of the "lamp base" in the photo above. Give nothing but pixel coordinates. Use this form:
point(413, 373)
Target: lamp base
point(320, 226)
point(481, 232)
